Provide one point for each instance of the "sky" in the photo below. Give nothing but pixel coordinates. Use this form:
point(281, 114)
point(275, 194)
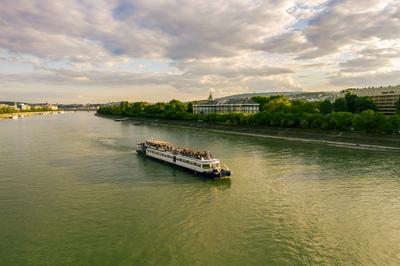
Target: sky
point(87, 51)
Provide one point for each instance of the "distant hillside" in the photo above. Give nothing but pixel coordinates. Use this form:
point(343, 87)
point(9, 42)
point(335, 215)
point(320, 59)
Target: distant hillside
point(311, 96)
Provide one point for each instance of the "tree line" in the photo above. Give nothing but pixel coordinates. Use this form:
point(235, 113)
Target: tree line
point(349, 113)
point(10, 110)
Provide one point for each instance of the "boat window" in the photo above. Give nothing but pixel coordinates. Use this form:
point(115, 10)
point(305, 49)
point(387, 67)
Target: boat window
point(206, 166)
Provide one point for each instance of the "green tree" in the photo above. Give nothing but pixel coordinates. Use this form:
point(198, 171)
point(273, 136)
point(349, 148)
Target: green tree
point(155, 110)
point(339, 105)
point(278, 104)
point(365, 103)
point(137, 109)
point(280, 112)
point(300, 106)
point(398, 106)
point(369, 121)
point(325, 107)
point(350, 102)
point(339, 120)
point(124, 105)
point(7, 110)
point(189, 108)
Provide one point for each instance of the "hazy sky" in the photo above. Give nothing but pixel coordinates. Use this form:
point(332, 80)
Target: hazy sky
point(97, 50)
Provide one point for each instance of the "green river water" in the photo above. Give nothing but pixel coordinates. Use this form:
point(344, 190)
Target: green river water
point(73, 192)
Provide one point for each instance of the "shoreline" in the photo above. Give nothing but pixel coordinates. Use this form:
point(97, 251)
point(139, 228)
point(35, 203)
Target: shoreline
point(27, 114)
point(354, 140)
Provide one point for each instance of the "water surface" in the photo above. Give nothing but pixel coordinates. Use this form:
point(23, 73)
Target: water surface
point(73, 192)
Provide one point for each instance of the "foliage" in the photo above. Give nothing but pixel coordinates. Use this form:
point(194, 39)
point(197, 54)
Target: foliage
point(365, 103)
point(339, 105)
point(398, 106)
point(325, 107)
point(369, 121)
point(299, 106)
point(278, 105)
point(354, 104)
point(350, 100)
point(9, 110)
point(276, 111)
point(264, 100)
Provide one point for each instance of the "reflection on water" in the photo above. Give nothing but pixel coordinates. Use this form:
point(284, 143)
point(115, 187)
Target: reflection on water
point(73, 191)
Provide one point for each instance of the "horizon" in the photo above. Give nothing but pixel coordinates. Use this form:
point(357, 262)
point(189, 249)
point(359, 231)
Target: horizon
point(153, 102)
point(84, 52)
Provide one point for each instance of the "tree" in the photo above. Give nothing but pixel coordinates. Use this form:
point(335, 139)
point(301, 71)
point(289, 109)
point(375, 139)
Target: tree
point(138, 108)
point(339, 120)
point(189, 108)
point(339, 105)
point(124, 105)
point(365, 103)
point(278, 104)
point(300, 106)
point(350, 102)
point(175, 106)
point(325, 107)
point(369, 121)
point(261, 100)
point(155, 110)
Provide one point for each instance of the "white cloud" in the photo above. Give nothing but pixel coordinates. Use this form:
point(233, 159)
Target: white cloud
point(229, 46)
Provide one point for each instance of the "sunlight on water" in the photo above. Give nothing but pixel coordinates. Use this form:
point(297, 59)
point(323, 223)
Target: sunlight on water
point(73, 192)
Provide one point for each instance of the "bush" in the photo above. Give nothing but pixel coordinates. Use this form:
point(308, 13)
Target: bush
point(279, 112)
point(369, 121)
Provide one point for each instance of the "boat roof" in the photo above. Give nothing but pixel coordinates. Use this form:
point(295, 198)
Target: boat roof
point(160, 142)
point(202, 156)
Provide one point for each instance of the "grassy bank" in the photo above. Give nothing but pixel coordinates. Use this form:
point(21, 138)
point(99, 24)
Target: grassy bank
point(336, 138)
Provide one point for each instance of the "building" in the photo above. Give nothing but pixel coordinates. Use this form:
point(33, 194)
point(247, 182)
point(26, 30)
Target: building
point(385, 98)
point(46, 105)
point(211, 106)
point(12, 105)
point(23, 107)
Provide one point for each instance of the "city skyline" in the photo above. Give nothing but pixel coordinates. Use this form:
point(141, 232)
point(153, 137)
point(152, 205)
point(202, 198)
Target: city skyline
point(101, 51)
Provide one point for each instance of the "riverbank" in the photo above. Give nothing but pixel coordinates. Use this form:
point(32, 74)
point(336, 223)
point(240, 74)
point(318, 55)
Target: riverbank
point(27, 114)
point(333, 138)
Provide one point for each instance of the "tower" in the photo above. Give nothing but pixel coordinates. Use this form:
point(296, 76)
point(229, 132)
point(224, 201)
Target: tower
point(210, 98)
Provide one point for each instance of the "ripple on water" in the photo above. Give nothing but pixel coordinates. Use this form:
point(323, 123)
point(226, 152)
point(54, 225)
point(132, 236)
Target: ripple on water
point(72, 191)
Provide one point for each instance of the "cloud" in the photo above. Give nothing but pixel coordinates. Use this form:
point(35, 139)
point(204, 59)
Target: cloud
point(363, 64)
point(345, 23)
point(192, 46)
point(192, 78)
point(290, 42)
point(336, 25)
point(366, 79)
point(154, 29)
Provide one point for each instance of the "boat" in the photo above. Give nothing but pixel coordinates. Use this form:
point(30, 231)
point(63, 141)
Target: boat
point(198, 162)
point(121, 119)
point(136, 123)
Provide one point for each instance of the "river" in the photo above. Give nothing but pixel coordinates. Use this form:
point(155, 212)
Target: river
point(73, 192)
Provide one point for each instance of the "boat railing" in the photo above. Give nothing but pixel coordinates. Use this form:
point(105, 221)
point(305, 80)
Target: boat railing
point(225, 167)
point(187, 152)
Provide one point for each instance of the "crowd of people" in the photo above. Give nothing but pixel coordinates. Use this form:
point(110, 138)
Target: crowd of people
point(181, 150)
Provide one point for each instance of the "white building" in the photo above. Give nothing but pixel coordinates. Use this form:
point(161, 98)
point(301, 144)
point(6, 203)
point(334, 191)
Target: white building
point(23, 107)
point(385, 98)
point(14, 106)
point(211, 106)
point(226, 108)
